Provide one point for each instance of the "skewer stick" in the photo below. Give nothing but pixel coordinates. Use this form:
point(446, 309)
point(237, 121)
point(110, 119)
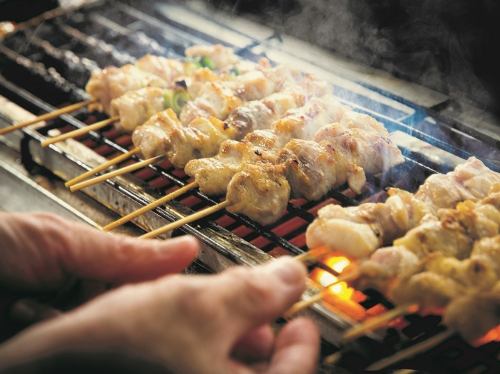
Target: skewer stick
point(301, 305)
point(313, 254)
point(114, 173)
point(103, 166)
point(185, 220)
point(409, 352)
point(47, 116)
point(375, 322)
point(150, 206)
point(78, 132)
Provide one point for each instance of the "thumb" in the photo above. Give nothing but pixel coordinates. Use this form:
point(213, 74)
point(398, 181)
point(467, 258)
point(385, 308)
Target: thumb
point(253, 297)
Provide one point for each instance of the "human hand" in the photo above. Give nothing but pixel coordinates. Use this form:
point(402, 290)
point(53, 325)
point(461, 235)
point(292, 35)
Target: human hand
point(41, 252)
point(190, 324)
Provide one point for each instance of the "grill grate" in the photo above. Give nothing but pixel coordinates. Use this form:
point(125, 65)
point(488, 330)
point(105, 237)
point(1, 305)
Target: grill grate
point(54, 60)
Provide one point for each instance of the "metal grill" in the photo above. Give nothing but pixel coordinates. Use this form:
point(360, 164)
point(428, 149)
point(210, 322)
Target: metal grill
point(47, 66)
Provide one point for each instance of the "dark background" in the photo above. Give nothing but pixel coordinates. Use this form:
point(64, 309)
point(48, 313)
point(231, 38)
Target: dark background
point(448, 45)
point(451, 46)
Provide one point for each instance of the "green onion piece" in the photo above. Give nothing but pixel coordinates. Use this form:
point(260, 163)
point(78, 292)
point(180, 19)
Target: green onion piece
point(168, 99)
point(179, 99)
point(207, 62)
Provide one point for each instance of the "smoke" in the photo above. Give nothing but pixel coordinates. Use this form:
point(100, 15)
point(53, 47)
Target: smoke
point(447, 45)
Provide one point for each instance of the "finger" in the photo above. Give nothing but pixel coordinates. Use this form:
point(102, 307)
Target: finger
point(253, 297)
point(59, 245)
point(296, 349)
point(256, 345)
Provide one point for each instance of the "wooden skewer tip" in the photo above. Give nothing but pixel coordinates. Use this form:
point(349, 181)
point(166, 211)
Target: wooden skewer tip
point(78, 132)
point(186, 220)
point(47, 116)
point(114, 173)
point(103, 166)
point(150, 206)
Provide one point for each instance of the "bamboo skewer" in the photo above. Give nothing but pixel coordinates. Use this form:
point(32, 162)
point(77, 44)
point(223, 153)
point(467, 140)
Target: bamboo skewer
point(115, 173)
point(150, 206)
point(47, 116)
point(103, 166)
point(78, 132)
point(313, 254)
point(409, 352)
point(375, 322)
point(301, 305)
point(186, 220)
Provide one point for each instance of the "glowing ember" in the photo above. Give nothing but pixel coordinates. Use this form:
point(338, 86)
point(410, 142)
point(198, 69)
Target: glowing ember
point(338, 264)
point(491, 336)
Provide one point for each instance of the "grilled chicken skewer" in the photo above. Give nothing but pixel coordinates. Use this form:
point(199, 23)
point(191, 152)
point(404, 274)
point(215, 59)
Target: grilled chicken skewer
point(442, 240)
point(135, 92)
point(451, 234)
point(261, 190)
point(437, 283)
point(207, 95)
point(195, 134)
point(214, 175)
point(166, 134)
point(149, 71)
point(430, 265)
point(358, 231)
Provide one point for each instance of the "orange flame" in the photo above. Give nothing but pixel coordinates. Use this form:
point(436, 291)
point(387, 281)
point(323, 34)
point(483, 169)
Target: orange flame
point(491, 336)
point(340, 295)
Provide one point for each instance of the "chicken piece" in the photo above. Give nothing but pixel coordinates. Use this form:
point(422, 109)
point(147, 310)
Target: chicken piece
point(200, 138)
point(214, 174)
point(432, 235)
point(112, 82)
point(488, 248)
point(135, 107)
point(427, 289)
point(253, 85)
point(153, 136)
point(335, 234)
point(167, 69)
point(260, 114)
point(366, 227)
point(474, 313)
point(212, 100)
point(221, 56)
point(340, 154)
point(479, 272)
point(472, 273)
point(352, 119)
point(313, 169)
point(384, 266)
point(260, 192)
point(471, 180)
point(304, 122)
point(369, 147)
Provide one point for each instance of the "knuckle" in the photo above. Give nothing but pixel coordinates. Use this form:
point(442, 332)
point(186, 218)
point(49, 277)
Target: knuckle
point(257, 289)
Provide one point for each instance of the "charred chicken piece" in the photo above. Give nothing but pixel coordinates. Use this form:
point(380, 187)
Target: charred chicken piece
point(214, 174)
point(261, 192)
point(474, 313)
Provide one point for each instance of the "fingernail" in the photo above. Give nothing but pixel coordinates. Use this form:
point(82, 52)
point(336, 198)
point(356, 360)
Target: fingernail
point(288, 270)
